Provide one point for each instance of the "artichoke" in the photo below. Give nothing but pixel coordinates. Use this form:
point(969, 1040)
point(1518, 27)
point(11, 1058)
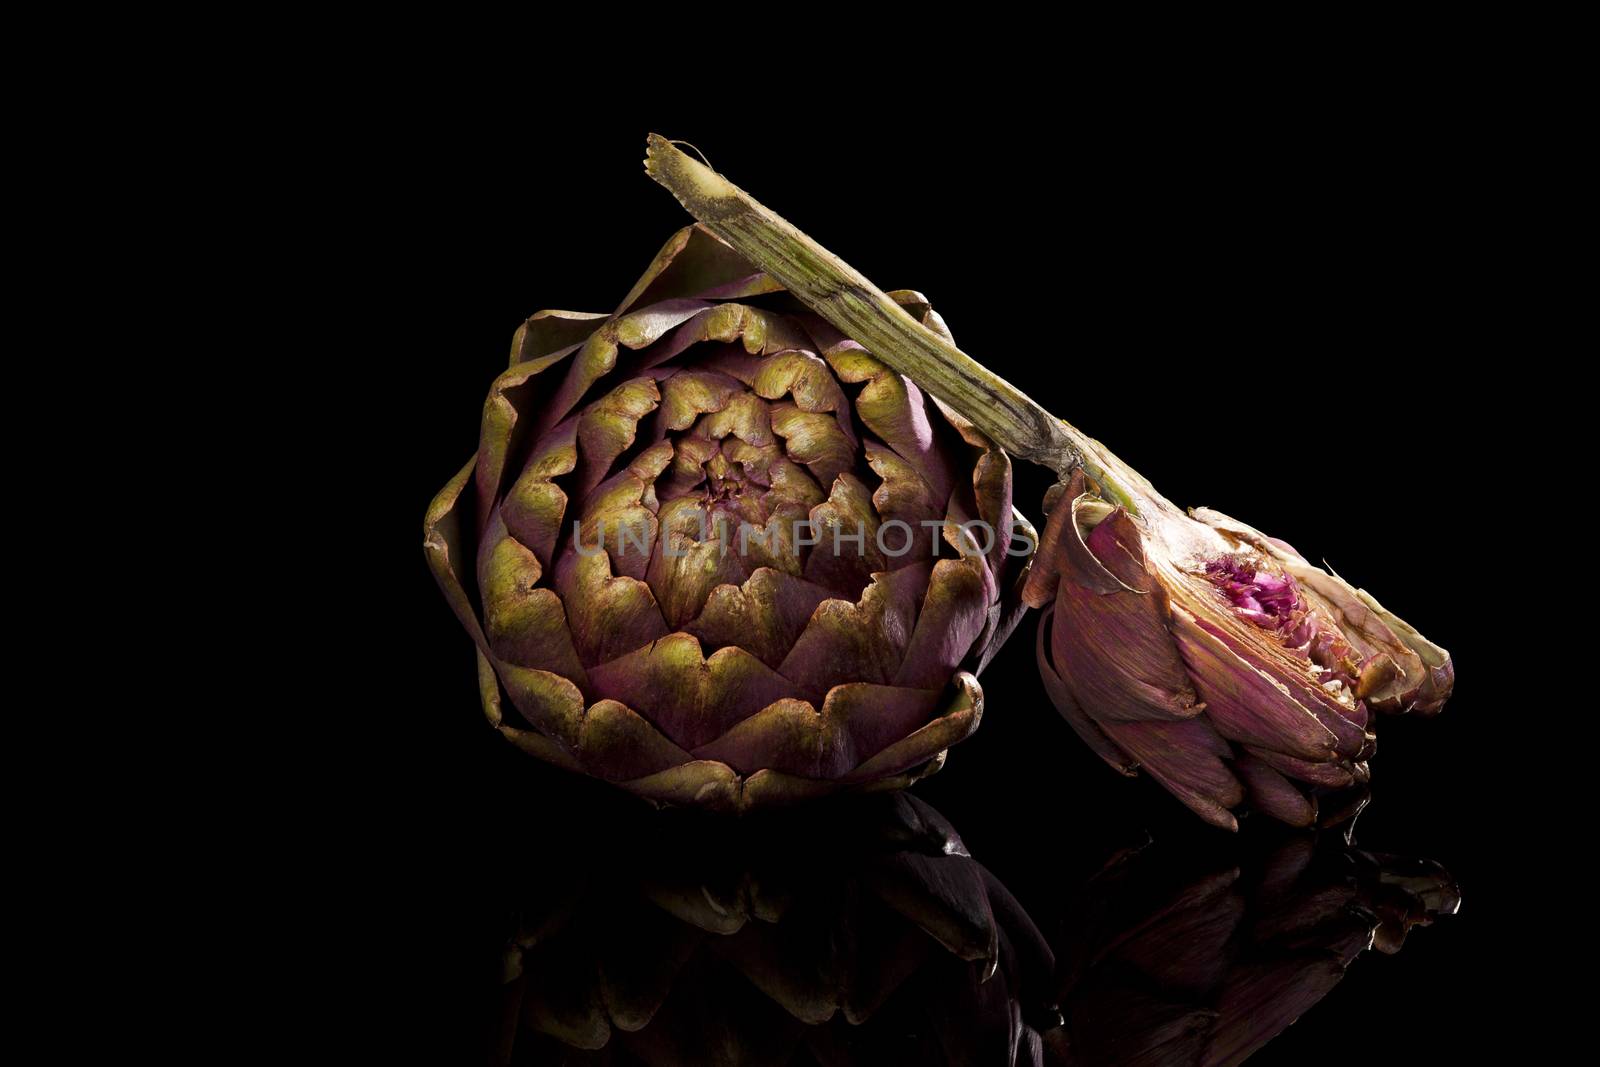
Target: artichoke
point(863, 933)
point(1169, 956)
point(713, 551)
point(1217, 658)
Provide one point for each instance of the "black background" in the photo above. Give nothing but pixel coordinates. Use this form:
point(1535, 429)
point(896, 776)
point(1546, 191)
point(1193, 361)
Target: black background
point(1276, 315)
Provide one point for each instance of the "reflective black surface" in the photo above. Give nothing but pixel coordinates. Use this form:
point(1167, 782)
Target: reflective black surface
point(863, 931)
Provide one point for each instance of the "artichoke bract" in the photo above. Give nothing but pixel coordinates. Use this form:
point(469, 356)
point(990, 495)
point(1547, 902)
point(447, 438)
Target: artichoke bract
point(1215, 657)
point(713, 551)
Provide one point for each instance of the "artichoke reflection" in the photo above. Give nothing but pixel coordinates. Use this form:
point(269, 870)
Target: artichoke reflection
point(1176, 957)
point(864, 934)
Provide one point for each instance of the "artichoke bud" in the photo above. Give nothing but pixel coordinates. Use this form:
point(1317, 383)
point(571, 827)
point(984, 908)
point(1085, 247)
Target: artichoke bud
point(1216, 658)
point(712, 550)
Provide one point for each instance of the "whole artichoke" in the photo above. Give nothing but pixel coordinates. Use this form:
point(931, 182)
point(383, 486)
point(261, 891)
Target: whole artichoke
point(1215, 657)
point(714, 552)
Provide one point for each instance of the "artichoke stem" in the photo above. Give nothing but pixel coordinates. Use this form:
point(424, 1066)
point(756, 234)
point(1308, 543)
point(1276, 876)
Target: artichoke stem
point(857, 308)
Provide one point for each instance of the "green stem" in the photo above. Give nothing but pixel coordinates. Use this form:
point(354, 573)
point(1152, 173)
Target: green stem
point(836, 291)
